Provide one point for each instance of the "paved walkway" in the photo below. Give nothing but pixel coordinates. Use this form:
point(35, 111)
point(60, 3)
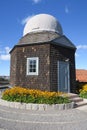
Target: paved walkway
point(15, 119)
point(19, 119)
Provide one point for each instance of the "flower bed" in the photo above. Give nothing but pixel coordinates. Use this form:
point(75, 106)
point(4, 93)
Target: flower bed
point(83, 92)
point(23, 95)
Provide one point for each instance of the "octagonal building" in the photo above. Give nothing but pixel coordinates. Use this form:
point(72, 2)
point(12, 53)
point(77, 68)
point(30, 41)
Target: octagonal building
point(44, 58)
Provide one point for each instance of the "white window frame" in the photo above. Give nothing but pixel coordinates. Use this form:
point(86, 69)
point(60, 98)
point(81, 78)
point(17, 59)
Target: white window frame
point(37, 66)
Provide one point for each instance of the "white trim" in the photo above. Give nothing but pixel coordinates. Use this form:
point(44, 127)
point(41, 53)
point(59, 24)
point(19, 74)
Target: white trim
point(37, 66)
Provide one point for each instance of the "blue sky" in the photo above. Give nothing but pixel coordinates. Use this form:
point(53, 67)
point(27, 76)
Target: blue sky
point(15, 13)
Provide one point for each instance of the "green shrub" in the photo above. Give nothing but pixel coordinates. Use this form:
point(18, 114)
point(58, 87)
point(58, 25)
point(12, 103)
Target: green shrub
point(83, 91)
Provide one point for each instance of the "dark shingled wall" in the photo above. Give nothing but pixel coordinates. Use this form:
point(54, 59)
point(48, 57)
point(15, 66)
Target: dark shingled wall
point(49, 55)
point(18, 69)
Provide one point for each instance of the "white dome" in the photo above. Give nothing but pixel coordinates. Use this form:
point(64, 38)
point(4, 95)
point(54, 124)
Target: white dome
point(42, 22)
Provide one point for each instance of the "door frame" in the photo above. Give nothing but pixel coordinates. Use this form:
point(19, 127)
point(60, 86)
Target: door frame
point(58, 73)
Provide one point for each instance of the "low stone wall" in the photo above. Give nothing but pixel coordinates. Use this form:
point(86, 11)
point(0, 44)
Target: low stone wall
point(31, 106)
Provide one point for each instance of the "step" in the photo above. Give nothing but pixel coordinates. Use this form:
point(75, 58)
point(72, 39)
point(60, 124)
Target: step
point(76, 99)
point(81, 104)
point(72, 95)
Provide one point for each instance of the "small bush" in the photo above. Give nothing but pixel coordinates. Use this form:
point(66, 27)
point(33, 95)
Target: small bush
point(79, 86)
point(20, 94)
point(83, 91)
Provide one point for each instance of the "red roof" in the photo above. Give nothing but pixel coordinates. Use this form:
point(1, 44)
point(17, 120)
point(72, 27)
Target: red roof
point(81, 75)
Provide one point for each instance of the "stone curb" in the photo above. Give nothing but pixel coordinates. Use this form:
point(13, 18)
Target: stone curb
point(31, 106)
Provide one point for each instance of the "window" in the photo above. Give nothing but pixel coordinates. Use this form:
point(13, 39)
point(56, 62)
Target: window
point(32, 66)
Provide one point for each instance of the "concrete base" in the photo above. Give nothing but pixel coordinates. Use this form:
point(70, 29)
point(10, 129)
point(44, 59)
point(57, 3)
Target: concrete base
point(31, 106)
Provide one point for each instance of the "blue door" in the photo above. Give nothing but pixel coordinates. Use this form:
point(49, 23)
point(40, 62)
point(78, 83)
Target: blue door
point(63, 77)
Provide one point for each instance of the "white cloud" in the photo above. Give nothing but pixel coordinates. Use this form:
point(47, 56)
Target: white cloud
point(7, 49)
point(77, 55)
point(82, 47)
point(80, 50)
point(4, 53)
point(24, 21)
point(5, 57)
point(36, 1)
point(66, 9)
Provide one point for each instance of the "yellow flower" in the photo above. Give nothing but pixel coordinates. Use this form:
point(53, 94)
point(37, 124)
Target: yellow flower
point(33, 92)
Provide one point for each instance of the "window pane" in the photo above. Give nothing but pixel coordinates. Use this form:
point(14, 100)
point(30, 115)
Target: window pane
point(30, 70)
point(34, 70)
point(31, 66)
point(34, 66)
point(34, 61)
point(30, 62)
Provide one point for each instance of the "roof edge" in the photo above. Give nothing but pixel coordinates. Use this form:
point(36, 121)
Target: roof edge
point(22, 45)
point(74, 47)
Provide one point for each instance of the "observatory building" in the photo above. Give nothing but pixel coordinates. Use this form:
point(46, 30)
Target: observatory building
point(44, 58)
